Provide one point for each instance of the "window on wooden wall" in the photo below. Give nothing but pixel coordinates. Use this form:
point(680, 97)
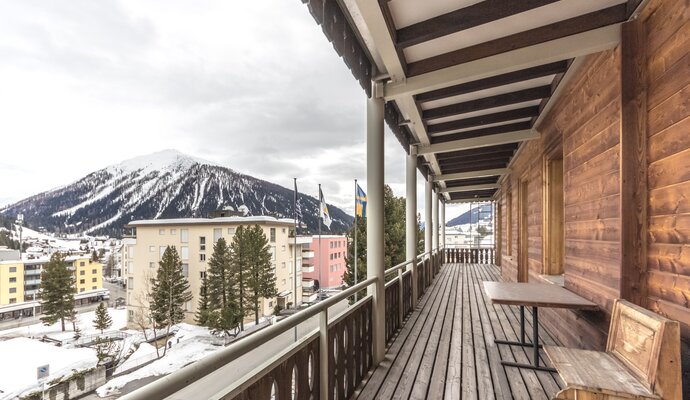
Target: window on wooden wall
point(553, 217)
point(509, 223)
point(523, 201)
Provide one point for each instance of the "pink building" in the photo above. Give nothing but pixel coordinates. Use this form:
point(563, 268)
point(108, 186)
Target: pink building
point(325, 262)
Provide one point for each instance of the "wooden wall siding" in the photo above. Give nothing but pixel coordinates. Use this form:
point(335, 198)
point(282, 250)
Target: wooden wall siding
point(668, 127)
point(586, 123)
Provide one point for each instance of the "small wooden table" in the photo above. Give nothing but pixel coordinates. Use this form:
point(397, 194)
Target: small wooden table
point(533, 295)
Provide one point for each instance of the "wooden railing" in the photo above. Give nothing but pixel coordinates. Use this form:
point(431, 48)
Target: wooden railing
point(471, 255)
point(337, 356)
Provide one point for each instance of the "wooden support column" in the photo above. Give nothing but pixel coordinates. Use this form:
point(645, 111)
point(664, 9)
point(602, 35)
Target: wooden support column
point(633, 163)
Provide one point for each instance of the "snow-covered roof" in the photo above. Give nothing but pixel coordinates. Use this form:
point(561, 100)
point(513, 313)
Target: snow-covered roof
point(212, 221)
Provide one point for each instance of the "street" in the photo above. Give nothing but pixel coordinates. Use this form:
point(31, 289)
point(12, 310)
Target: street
point(223, 377)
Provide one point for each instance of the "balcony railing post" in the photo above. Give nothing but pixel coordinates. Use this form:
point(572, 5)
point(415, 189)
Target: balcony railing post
point(324, 352)
point(401, 313)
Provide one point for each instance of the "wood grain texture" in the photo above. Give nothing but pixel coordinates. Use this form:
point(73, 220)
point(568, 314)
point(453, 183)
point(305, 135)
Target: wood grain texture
point(633, 163)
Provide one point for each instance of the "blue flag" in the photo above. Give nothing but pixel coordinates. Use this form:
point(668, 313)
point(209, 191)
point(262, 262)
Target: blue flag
point(361, 203)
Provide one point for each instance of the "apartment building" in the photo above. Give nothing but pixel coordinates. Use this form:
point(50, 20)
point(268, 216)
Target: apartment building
point(324, 261)
point(20, 280)
point(194, 239)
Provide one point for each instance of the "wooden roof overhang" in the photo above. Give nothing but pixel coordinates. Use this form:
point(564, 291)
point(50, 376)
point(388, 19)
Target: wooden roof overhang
point(468, 81)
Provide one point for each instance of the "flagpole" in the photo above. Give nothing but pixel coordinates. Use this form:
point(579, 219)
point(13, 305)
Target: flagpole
point(294, 296)
point(320, 254)
point(355, 237)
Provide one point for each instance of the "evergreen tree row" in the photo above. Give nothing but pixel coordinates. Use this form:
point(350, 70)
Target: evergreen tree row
point(239, 275)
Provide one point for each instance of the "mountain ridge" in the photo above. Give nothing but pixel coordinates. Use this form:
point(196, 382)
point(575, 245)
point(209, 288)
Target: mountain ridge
point(166, 184)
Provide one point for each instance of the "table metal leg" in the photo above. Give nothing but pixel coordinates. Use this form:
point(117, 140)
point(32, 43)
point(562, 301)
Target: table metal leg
point(535, 335)
point(522, 341)
point(522, 324)
point(535, 342)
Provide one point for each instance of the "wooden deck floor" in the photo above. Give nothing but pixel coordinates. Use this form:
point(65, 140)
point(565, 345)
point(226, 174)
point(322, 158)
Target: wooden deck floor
point(446, 347)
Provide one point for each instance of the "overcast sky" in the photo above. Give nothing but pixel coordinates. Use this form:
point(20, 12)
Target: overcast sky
point(252, 85)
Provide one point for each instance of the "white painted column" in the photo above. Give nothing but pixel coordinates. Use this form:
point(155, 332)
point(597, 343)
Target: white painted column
point(411, 218)
point(375, 154)
point(434, 208)
point(443, 224)
point(428, 223)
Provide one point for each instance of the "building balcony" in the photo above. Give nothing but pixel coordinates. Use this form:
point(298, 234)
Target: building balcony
point(36, 271)
point(307, 284)
point(307, 253)
point(308, 268)
point(309, 297)
point(28, 282)
point(30, 292)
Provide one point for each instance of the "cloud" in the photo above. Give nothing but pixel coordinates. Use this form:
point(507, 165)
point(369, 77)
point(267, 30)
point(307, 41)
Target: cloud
point(254, 86)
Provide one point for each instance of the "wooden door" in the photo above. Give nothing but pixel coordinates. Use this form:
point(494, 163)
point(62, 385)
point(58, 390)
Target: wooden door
point(523, 269)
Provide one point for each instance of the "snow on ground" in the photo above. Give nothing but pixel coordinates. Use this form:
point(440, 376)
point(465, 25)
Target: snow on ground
point(84, 322)
point(26, 355)
point(195, 343)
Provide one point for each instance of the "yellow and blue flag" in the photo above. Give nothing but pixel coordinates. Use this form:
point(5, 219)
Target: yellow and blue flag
point(361, 203)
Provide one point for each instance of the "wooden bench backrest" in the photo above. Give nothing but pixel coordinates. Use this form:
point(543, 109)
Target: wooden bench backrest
point(644, 342)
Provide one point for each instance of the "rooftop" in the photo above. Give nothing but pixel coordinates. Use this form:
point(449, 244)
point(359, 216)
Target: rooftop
point(212, 221)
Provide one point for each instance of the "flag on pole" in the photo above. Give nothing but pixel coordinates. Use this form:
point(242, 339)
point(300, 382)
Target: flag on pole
point(323, 210)
point(361, 203)
point(298, 210)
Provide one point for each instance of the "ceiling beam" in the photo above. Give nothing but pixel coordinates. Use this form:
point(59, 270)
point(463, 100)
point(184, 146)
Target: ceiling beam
point(484, 150)
point(483, 141)
point(492, 130)
point(526, 74)
point(475, 200)
point(581, 44)
point(475, 166)
point(448, 162)
point(472, 174)
point(472, 181)
point(557, 30)
point(485, 103)
point(464, 18)
point(469, 188)
point(503, 116)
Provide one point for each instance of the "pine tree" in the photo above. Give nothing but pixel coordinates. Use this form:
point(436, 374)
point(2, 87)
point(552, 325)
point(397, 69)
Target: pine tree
point(103, 319)
point(57, 291)
point(394, 226)
point(238, 263)
point(110, 265)
point(261, 280)
point(94, 256)
point(224, 313)
point(169, 292)
point(203, 311)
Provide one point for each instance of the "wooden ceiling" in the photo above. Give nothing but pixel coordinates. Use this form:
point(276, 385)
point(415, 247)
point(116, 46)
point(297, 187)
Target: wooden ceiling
point(468, 81)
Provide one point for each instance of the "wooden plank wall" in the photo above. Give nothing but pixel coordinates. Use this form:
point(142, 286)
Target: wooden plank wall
point(667, 26)
point(586, 122)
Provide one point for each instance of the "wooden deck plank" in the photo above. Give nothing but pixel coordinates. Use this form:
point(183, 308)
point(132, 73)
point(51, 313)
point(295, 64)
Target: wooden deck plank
point(398, 366)
point(409, 330)
point(425, 344)
point(512, 331)
point(446, 347)
point(435, 355)
point(454, 371)
point(499, 374)
point(469, 372)
point(550, 382)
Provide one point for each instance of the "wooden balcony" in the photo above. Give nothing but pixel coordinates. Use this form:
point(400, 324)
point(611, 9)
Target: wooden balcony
point(445, 348)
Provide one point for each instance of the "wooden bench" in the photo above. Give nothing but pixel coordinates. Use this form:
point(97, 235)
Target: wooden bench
point(642, 360)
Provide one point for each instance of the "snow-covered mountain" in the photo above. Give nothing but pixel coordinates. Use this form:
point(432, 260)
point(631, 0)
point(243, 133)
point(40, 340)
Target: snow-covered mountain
point(167, 184)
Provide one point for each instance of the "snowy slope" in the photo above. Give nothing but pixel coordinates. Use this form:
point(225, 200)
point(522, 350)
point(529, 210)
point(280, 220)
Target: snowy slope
point(166, 184)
